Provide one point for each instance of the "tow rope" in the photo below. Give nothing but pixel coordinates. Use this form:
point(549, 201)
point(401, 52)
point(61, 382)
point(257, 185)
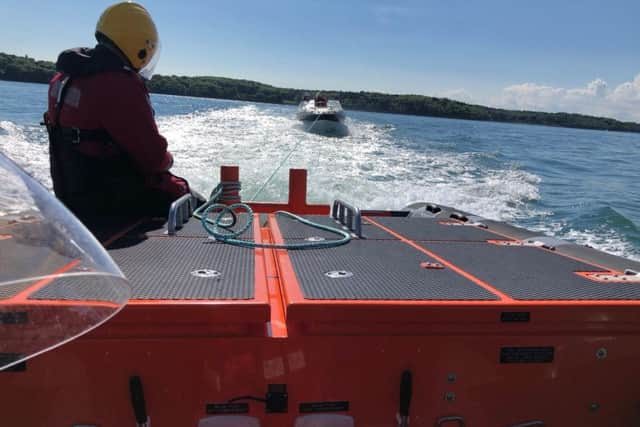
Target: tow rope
point(220, 229)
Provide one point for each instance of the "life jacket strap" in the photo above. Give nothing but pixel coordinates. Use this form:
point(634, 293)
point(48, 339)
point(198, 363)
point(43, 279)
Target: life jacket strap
point(76, 136)
point(71, 135)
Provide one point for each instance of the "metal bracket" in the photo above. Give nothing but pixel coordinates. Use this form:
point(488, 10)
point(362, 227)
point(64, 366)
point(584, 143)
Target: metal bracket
point(546, 242)
point(610, 277)
point(347, 215)
point(180, 212)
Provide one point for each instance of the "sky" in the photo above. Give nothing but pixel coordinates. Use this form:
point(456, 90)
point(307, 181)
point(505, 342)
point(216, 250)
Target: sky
point(577, 56)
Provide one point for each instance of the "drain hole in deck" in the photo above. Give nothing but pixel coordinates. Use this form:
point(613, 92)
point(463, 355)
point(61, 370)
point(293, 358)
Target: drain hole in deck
point(338, 274)
point(207, 274)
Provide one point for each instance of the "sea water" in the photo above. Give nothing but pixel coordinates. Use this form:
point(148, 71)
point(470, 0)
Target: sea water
point(575, 184)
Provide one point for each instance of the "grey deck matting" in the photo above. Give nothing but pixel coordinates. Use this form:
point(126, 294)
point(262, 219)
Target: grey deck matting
point(292, 229)
point(528, 273)
point(83, 288)
point(194, 228)
point(160, 268)
point(18, 261)
point(382, 270)
point(416, 228)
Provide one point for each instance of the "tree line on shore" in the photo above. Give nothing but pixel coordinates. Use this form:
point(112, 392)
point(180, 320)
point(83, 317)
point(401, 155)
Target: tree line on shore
point(26, 69)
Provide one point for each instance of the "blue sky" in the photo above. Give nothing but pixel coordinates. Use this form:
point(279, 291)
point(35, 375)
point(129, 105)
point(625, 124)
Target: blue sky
point(581, 56)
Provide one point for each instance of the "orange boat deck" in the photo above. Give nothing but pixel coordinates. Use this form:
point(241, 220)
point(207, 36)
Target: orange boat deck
point(495, 332)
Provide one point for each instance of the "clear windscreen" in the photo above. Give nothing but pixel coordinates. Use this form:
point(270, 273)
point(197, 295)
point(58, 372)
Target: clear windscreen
point(148, 70)
point(56, 280)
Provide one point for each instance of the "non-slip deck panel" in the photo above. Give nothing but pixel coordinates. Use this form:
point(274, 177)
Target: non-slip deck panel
point(293, 229)
point(83, 288)
point(382, 270)
point(529, 273)
point(25, 261)
point(194, 228)
point(161, 267)
point(9, 291)
point(418, 228)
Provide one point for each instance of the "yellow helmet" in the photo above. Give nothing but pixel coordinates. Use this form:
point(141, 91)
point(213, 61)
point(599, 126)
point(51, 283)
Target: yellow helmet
point(130, 27)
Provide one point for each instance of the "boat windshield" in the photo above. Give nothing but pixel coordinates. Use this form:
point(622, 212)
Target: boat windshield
point(56, 280)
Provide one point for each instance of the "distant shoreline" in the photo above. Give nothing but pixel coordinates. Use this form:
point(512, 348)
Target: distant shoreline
point(29, 70)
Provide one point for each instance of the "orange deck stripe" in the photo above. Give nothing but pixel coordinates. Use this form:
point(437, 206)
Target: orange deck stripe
point(122, 232)
point(449, 264)
point(21, 297)
point(276, 298)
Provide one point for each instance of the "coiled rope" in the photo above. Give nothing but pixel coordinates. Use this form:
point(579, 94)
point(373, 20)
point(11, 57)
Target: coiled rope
point(221, 230)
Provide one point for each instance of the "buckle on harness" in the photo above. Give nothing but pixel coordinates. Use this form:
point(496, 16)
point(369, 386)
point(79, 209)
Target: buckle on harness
point(75, 136)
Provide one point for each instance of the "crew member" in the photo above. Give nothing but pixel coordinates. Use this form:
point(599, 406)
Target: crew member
point(107, 157)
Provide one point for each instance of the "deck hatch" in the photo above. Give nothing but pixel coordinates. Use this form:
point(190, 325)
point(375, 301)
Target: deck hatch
point(160, 268)
point(528, 273)
point(382, 270)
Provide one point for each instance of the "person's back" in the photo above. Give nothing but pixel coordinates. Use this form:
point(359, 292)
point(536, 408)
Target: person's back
point(107, 156)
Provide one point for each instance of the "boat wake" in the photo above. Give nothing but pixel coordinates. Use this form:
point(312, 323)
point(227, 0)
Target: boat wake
point(377, 165)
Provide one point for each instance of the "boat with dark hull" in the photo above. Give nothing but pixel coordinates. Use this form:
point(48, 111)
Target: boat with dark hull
point(321, 115)
point(428, 316)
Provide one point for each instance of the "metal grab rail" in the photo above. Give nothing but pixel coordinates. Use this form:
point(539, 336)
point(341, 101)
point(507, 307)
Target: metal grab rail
point(180, 212)
point(347, 215)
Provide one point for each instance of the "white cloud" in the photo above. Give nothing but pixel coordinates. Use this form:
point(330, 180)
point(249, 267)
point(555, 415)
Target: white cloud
point(596, 98)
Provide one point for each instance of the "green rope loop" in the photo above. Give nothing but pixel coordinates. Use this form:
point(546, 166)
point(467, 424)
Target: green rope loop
point(218, 230)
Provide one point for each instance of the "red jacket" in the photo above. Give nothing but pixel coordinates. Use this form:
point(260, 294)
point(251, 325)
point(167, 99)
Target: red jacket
point(104, 95)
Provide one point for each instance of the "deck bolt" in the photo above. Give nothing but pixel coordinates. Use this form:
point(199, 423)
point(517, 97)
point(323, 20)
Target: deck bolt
point(451, 378)
point(594, 407)
point(601, 353)
point(450, 396)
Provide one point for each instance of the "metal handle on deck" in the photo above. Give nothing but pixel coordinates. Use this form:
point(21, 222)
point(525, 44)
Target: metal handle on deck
point(347, 215)
point(180, 212)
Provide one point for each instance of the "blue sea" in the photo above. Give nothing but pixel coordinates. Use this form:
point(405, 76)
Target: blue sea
point(578, 185)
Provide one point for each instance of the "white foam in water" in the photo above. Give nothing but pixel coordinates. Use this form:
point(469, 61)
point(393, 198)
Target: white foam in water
point(367, 168)
point(27, 146)
point(604, 238)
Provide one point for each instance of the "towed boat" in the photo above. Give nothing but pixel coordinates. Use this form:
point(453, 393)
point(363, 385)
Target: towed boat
point(425, 316)
point(321, 115)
